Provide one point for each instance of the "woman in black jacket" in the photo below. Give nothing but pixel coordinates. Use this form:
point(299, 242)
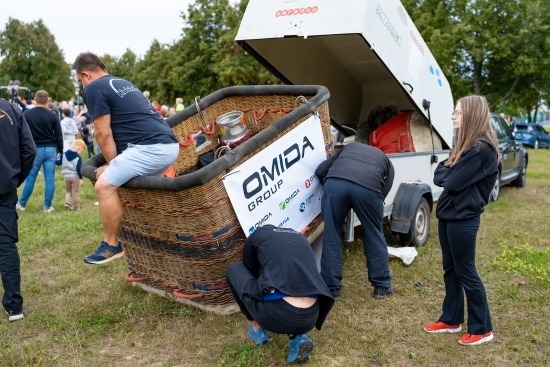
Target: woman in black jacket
point(467, 177)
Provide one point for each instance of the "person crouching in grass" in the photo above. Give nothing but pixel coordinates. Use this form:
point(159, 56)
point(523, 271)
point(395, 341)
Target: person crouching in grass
point(71, 170)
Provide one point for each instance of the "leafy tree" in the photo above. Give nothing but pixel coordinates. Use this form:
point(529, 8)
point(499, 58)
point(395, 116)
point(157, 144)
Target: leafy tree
point(490, 47)
point(233, 66)
point(122, 67)
point(151, 73)
point(206, 58)
point(28, 53)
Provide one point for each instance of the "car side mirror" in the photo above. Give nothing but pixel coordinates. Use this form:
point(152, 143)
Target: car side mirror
point(518, 136)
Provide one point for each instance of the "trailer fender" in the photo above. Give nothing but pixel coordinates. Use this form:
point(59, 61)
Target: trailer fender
point(405, 203)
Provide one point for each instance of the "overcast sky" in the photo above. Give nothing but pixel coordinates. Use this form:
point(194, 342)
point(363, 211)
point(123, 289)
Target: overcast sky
point(102, 26)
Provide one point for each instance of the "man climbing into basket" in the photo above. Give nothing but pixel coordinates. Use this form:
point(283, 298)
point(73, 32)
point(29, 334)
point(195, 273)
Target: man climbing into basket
point(134, 140)
point(278, 288)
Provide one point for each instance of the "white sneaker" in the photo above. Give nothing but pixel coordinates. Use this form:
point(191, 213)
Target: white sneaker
point(48, 209)
point(15, 317)
point(20, 207)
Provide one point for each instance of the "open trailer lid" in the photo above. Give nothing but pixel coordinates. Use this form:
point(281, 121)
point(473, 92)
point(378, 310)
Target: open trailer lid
point(366, 52)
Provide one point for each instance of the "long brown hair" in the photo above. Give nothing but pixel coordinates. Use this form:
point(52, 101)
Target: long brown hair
point(475, 127)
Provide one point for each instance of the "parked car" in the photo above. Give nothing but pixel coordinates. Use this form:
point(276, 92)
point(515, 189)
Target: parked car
point(512, 166)
point(534, 135)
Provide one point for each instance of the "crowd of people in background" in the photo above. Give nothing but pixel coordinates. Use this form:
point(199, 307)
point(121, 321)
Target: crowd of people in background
point(76, 121)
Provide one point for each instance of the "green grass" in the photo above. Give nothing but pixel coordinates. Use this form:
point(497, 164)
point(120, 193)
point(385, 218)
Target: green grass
point(78, 315)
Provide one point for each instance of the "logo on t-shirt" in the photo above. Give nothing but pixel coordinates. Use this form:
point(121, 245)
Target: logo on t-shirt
point(123, 90)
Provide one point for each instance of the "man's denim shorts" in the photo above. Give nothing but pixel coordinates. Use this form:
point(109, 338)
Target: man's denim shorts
point(140, 160)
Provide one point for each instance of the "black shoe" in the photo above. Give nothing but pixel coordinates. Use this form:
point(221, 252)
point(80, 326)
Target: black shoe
point(335, 294)
point(381, 293)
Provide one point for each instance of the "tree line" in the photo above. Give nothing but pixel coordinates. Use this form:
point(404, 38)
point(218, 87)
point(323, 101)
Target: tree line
point(498, 48)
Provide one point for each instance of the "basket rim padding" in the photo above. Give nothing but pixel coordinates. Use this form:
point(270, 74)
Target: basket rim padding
point(202, 176)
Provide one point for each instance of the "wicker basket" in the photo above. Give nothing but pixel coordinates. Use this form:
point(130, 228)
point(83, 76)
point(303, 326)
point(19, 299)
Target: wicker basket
point(180, 234)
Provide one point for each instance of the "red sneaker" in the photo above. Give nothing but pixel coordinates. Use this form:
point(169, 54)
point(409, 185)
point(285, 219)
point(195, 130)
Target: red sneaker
point(471, 339)
point(441, 327)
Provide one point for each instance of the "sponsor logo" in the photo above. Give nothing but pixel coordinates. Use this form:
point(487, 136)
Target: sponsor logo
point(125, 90)
point(284, 222)
point(417, 43)
point(436, 72)
point(388, 25)
point(288, 200)
point(306, 203)
point(309, 181)
point(259, 223)
point(261, 180)
point(296, 11)
point(265, 195)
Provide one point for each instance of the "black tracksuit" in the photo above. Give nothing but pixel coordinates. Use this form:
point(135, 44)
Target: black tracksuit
point(358, 177)
point(279, 259)
point(466, 189)
point(17, 152)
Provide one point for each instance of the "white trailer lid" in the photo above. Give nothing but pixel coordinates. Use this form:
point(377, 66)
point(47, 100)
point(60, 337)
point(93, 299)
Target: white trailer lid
point(366, 52)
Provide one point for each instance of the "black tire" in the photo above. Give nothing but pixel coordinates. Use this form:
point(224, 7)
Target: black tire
point(495, 192)
point(420, 226)
point(522, 176)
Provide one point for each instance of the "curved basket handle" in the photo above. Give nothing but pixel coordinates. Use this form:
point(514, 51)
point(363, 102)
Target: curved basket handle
point(212, 129)
point(129, 278)
point(256, 117)
point(188, 142)
point(187, 296)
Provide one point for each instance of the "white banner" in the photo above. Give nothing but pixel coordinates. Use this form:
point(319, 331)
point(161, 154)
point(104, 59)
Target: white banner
point(278, 185)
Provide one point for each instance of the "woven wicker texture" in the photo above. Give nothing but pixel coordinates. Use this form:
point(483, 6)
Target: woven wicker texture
point(183, 241)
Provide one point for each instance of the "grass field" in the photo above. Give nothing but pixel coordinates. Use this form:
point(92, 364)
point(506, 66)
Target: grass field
point(79, 315)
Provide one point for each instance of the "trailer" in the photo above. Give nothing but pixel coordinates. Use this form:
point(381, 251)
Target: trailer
point(367, 53)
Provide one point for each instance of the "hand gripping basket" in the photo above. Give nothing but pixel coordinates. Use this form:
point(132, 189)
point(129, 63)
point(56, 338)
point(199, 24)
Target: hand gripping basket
point(180, 234)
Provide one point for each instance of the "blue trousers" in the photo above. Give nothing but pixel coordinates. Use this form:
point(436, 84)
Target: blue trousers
point(9, 256)
point(45, 156)
point(458, 246)
point(339, 196)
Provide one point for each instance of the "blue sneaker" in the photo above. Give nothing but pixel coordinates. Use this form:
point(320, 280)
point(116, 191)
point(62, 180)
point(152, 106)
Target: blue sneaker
point(300, 347)
point(258, 337)
point(105, 253)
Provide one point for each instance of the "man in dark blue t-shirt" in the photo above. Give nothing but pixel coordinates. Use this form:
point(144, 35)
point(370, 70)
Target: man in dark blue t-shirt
point(133, 138)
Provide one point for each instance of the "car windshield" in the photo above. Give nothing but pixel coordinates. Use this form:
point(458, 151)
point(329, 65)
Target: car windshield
point(521, 127)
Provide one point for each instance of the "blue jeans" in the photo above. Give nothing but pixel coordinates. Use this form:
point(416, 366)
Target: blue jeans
point(45, 156)
point(458, 246)
point(9, 256)
point(339, 196)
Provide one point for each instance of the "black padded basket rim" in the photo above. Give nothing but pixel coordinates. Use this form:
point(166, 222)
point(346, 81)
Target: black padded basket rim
point(204, 175)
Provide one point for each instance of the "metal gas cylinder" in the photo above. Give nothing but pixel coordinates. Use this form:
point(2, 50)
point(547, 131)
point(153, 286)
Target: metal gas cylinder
point(231, 127)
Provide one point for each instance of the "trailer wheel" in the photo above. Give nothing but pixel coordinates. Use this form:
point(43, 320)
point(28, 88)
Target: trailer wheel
point(420, 226)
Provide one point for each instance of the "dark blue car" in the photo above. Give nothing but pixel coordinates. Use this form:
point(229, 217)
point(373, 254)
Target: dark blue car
point(534, 136)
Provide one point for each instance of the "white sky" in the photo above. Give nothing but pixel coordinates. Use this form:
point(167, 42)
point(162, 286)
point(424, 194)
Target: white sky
point(102, 26)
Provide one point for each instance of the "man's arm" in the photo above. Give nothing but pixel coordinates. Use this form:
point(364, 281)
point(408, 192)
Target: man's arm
point(388, 181)
point(27, 150)
point(322, 170)
point(104, 137)
point(58, 133)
